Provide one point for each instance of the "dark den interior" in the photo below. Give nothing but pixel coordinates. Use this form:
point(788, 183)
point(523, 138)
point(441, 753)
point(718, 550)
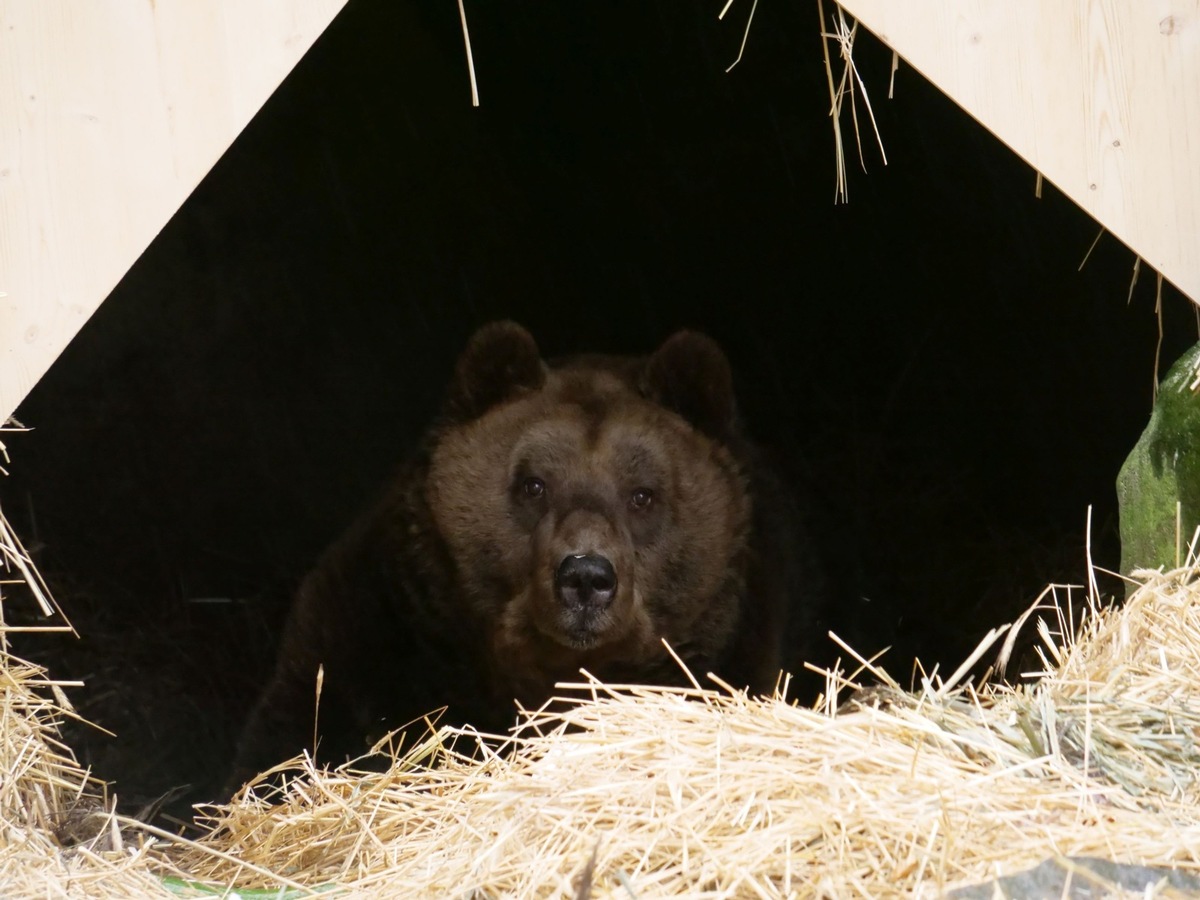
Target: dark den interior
point(949, 389)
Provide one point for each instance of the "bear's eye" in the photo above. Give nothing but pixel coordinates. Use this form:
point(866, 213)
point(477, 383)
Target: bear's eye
point(534, 487)
point(641, 498)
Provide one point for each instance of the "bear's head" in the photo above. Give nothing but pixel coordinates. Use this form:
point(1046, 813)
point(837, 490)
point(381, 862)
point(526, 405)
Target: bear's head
point(592, 506)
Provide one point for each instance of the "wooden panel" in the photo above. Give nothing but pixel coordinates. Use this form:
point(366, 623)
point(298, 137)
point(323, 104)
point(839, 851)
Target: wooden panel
point(110, 114)
point(1100, 96)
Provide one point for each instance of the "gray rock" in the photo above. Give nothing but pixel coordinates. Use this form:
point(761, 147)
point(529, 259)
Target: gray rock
point(1084, 878)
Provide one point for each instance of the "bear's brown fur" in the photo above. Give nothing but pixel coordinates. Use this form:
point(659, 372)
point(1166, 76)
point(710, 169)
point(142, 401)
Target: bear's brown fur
point(560, 516)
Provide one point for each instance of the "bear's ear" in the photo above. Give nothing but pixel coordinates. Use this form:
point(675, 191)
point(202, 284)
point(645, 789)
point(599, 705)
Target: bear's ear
point(690, 375)
point(500, 359)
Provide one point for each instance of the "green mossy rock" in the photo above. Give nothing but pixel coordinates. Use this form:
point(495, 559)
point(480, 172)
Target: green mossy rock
point(1162, 470)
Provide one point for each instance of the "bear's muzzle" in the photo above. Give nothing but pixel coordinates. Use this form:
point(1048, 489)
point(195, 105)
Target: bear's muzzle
point(585, 582)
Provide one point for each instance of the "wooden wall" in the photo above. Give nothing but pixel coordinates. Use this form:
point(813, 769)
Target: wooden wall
point(1100, 96)
point(110, 114)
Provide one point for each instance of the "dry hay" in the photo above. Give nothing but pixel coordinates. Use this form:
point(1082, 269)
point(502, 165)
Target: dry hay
point(648, 792)
point(655, 792)
point(47, 801)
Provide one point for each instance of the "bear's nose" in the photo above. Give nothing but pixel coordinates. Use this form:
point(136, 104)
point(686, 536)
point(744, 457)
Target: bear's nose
point(585, 581)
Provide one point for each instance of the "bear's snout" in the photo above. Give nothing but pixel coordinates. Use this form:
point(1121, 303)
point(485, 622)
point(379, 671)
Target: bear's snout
point(585, 582)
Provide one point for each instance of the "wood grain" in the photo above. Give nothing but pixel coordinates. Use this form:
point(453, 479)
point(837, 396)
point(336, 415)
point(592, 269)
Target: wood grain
point(1100, 96)
point(110, 114)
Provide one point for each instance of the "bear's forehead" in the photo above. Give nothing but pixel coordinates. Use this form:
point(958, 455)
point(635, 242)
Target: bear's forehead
point(588, 386)
point(577, 416)
point(586, 412)
point(598, 401)
point(590, 420)
point(604, 442)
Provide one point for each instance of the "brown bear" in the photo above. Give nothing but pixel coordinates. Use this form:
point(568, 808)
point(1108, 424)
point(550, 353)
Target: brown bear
point(560, 515)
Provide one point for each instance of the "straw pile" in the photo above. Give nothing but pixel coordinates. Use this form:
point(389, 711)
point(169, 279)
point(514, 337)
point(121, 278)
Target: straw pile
point(46, 800)
point(639, 792)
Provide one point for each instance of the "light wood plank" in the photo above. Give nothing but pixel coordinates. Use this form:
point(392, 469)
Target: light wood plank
point(1100, 96)
point(110, 114)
